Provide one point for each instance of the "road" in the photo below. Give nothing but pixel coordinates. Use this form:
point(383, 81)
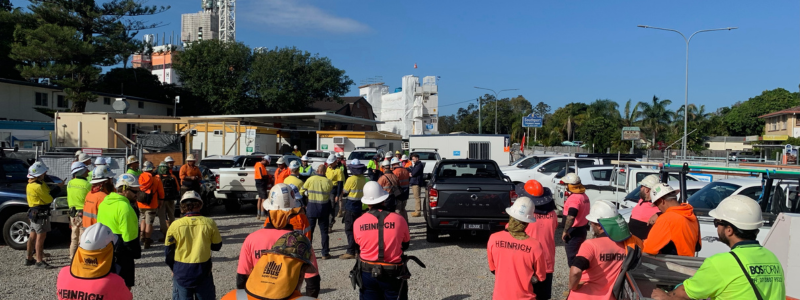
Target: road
point(457, 268)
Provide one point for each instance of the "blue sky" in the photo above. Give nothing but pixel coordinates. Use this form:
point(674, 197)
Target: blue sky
point(552, 51)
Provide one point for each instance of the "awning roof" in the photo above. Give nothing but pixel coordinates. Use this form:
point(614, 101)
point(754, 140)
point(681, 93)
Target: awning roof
point(306, 120)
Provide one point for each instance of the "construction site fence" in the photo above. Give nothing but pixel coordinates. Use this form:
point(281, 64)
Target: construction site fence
point(59, 165)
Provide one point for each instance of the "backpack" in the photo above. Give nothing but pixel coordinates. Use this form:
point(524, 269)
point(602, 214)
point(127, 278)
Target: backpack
point(171, 191)
point(144, 198)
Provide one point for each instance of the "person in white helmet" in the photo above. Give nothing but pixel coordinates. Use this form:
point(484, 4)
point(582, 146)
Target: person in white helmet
point(336, 176)
point(318, 209)
point(749, 271)
point(190, 174)
point(133, 166)
point(102, 185)
point(297, 152)
point(77, 189)
point(391, 184)
point(642, 215)
point(382, 236)
point(294, 178)
point(353, 191)
point(99, 161)
point(264, 182)
point(576, 207)
point(39, 198)
point(404, 182)
point(117, 213)
point(282, 171)
point(189, 242)
point(516, 259)
point(171, 164)
point(305, 169)
point(77, 153)
point(599, 260)
point(676, 231)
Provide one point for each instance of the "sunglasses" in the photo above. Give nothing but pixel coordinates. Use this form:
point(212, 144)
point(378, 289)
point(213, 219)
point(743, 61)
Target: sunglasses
point(718, 223)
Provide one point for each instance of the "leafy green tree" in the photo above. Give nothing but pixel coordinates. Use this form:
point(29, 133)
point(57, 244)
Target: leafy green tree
point(743, 119)
point(631, 114)
point(70, 41)
point(656, 117)
point(541, 109)
point(7, 65)
point(135, 82)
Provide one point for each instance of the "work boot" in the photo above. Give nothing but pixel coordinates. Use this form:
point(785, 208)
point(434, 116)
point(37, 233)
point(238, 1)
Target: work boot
point(147, 243)
point(30, 262)
point(416, 214)
point(44, 265)
point(347, 256)
point(341, 214)
point(327, 257)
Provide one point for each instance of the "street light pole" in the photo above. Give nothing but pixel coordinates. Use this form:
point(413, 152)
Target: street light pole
point(686, 88)
point(496, 98)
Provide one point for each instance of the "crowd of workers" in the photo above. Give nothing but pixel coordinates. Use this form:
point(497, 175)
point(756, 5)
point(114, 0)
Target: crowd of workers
point(112, 218)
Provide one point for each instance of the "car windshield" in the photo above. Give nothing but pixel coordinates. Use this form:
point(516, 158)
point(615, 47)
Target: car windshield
point(539, 163)
point(317, 154)
point(15, 172)
point(216, 163)
point(712, 194)
point(362, 155)
point(467, 170)
point(426, 155)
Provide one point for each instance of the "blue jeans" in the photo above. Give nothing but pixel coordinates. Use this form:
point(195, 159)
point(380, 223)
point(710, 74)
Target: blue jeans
point(205, 290)
point(323, 222)
point(385, 288)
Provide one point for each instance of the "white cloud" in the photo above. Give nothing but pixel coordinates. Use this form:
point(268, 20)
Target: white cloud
point(294, 16)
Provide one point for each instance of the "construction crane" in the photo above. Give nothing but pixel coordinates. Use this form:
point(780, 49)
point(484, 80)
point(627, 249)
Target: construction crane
point(227, 20)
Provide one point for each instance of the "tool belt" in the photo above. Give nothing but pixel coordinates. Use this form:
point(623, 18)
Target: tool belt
point(37, 213)
point(73, 212)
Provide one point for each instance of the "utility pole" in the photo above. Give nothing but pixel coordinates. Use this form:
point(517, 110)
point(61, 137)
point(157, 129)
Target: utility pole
point(496, 98)
point(479, 116)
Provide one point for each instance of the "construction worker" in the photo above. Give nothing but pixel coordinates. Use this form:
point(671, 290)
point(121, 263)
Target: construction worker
point(404, 182)
point(318, 188)
point(353, 191)
point(85, 159)
point(382, 237)
point(576, 207)
point(282, 171)
point(188, 254)
point(117, 213)
point(749, 271)
point(297, 152)
point(292, 252)
point(77, 153)
point(305, 169)
point(676, 231)
point(405, 162)
point(398, 155)
point(298, 219)
point(190, 175)
point(517, 260)
point(90, 274)
point(171, 164)
point(599, 261)
point(294, 178)
point(172, 193)
point(280, 207)
point(417, 181)
point(133, 166)
point(391, 185)
point(263, 184)
point(77, 189)
point(39, 198)
point(644, 214)
point(343, 167)
point(99, 161)
point(543, 230)
point(102, 184)
point(334, 174)
point(374, 172)
point(153, 191)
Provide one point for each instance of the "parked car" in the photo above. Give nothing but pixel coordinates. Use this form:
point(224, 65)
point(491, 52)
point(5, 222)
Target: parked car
point(216, 162)
point(528, 161)
point(364, 154)
point(317, 157)
point(548, 168)
point(428, 156)
point(236, 185)
point(467, 196)
point(744, 156)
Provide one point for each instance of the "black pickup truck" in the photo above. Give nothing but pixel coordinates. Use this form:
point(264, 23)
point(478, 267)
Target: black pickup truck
point(467, 196)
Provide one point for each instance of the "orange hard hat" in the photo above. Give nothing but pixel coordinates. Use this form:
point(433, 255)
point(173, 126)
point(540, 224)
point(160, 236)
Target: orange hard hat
point(534, 188)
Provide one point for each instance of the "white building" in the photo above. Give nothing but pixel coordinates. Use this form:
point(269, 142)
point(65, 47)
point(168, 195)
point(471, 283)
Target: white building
point(412, 109)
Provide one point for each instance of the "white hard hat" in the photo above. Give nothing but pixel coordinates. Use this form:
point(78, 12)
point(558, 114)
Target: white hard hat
point(395, 160)
point(190, 157)
point(148, 166)
point(659, 191)
point(126, 179)
point(739, 210)
point(83, 157)
point(296, 192)
point(294, 165)
point(405, 157)
point(169, 159)
point(79, 152)
point(522, 210)
point(304, 158)
point(338, 155)
point(601, 210)
point(97, 237)
point(385, 163)
point(77, 167)
point(650, 181)
point(99, 161)
point(331, 159)
point(191, 195)
point(267, 158)
point(101, 173)
point(280, 198)
point(281, 161)
point(295, 146)
point(373, 193)
point(571, 178)
point(37, 169)
point(355, 161)
point(132, 159)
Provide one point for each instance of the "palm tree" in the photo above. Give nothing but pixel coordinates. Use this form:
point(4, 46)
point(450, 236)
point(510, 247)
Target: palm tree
point(603, 107)
point(655, 116)
point(631, 114)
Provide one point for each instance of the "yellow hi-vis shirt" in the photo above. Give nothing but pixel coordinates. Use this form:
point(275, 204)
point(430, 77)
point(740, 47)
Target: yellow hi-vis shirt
point(193, 236)
point(38, 194)
point(77, 189)
point(318, 188)
point(334, 175)
point(720, 277)
point(291, 179)
point(354, 187)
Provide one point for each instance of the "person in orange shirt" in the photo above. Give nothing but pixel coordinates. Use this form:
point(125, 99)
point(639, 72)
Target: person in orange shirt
point(154, 192)
point(263, 184)
point(406, 162)
point(102, 185)
point(282, 171)
point(190, 175)
point(404, 181)
point(676, 231)
point(543, 230)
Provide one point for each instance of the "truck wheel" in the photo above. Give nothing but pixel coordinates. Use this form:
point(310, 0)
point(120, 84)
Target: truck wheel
point(232, 206)
point(16, 231)
point(431, 235)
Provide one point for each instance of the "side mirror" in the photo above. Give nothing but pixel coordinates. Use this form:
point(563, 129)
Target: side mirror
point(443, 158)
point(541, 170)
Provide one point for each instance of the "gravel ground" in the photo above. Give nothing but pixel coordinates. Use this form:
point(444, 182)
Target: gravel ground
point(457, 268)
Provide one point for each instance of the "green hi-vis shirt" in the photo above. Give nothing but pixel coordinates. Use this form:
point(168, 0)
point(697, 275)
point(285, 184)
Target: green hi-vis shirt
point(117, 213)
point(134, 173)
point(720, 277)
point(77, 188)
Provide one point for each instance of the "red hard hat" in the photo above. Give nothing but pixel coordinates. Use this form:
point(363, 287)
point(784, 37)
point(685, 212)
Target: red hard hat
point(534, 188)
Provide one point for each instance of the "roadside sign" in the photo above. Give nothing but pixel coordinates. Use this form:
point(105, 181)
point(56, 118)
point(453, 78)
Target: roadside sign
point(630, 133)
point(250, 149)
point(93, 151)
point(324, 147)
point(703, 177)
point(456, 153)
point(532, 120)
point(250, 133)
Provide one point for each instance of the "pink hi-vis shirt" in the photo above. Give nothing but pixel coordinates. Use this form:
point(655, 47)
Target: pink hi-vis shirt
point(580, 202)
point(395, 233)
point(107, 287)
point(605, 262)
point(643, 211)
point(514, 263)
point(259, 241)
point(544, 230)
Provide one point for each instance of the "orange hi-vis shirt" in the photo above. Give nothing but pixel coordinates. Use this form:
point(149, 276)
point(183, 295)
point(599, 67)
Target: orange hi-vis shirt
point(403, 175)
point(151, 185)
point(395, 233)
point(677, 227)
point(514, 263)
point(260, 171)
point(544, 231)
point(187, 170)
point(93, 200)
point(281, 174)
point(605, 259)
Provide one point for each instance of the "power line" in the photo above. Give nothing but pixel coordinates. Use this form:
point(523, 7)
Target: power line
point(470, 100)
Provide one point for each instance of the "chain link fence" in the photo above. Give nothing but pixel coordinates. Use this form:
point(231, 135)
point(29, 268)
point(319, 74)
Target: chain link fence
point(59, 165)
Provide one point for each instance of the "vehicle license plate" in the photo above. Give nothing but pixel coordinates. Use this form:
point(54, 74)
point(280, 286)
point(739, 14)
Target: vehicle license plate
point(475, 226)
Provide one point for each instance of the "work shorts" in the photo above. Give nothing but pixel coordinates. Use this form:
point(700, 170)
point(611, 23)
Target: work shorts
point(148, 216)
point(40, 226)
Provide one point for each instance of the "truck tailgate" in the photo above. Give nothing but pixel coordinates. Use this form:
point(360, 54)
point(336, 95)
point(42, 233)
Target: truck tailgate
point(236, 180)
point(479, 200)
